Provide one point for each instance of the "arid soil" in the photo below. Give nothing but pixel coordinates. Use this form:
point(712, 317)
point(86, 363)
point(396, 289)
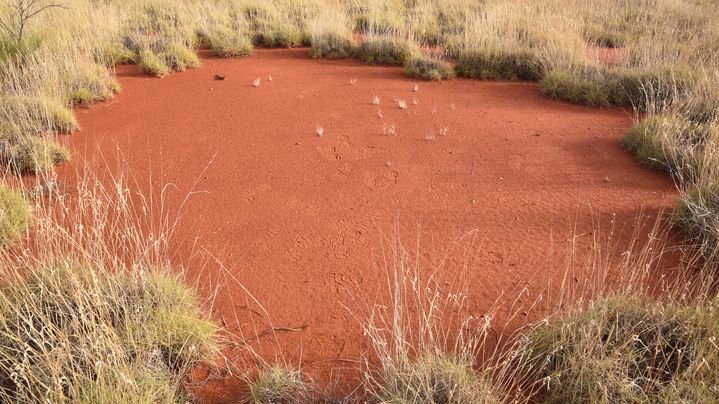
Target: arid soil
point(296, 218)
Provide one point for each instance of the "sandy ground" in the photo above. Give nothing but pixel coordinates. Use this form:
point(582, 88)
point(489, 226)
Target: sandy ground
point(297, 218)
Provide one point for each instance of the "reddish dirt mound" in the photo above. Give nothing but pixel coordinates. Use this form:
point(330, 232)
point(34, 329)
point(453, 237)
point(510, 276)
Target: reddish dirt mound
point(296, 217)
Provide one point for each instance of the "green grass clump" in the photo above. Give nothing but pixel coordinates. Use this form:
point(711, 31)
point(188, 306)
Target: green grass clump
point(117, 54)
point(387, 51)
point(151, 63)
point(428, 68)
point(282, 36)
point(33, 155)
point(600, 86)
point(643, 89)
point(277, 384)
point(436, 378)
point(669, 143)
point(14, 215)
point(500, 65)
point(567, 86)
point(75, 333)
point(627, 349)
point(179, 57)
point(92, 83)
point(175, 326)
point(228, 43)
point(330, 46)
point(697, 214)
point(43, 114)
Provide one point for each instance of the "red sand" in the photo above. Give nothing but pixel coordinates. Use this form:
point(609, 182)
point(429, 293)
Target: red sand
point(296, 217)
point(606, 56)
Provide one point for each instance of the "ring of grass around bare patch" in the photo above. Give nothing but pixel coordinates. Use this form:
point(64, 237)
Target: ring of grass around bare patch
point(389, 51)
point(627, 349)
point(500, 65)
point(114, 337)
point(427, 68)
point(14, 215)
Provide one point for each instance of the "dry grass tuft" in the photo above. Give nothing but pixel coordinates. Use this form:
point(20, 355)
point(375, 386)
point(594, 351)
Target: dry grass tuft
point(14, 216)
point(278, 384)
point(427, 68)
point(628, 349)
point(385, 50)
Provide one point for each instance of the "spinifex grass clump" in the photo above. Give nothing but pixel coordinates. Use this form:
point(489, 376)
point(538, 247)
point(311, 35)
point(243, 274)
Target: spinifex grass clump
point(568, 85)
point(628, 349)
point(32, 155)
point(425, 342)
point(497, 64)
point(282, 36)
point(390, 51)
point(697, 214)
point(646, 89)
point(96, 313)
point(179, 57)
point(151, 63)
point(629, 87)
point(41, 113)
point(73, 333)
point(437, 377)
point(228, 43)
point(278, 384)
point(91, 83)
point(14, 215)
point(427, 68)
point(671, 143)
point(115, 53)
point(330, 46)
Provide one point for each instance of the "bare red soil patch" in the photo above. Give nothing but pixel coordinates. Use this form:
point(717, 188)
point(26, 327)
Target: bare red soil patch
point(296, 217)
point(606, 56)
